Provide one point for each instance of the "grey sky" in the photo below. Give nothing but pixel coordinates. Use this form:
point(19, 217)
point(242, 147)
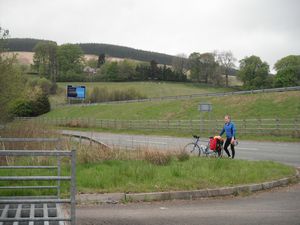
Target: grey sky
point(267, 28)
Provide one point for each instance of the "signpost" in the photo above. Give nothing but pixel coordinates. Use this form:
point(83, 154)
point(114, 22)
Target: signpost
point(204, 107)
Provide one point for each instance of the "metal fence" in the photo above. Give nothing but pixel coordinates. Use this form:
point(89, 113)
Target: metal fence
point(277, 126)
point(192, 96)
point(38, 199)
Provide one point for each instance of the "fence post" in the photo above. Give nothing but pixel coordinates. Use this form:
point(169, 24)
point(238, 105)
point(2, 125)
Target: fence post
point(216, 126)
point(73, 187)
point(278, 125)
point(296, 132)
point(244, 126)
point(58, 174)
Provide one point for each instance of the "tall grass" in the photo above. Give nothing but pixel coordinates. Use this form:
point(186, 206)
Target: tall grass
point(99, 94)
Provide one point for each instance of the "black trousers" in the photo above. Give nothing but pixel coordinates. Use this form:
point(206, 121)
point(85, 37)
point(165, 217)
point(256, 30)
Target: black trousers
point(227, 143)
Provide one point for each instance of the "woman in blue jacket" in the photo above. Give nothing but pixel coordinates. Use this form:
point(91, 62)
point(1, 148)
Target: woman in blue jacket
point(229, 129)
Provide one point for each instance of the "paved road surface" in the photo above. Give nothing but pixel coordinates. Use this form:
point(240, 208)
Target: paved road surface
point(277, 207)
point(288, 153)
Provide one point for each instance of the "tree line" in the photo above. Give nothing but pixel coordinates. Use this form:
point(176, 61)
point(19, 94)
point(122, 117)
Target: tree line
point(66, 63)
point(253, 71)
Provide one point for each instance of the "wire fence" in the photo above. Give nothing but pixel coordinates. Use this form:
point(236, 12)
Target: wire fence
point(278, 127)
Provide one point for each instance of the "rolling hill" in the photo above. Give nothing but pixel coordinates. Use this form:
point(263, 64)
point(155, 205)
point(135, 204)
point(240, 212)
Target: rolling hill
point(27, 45)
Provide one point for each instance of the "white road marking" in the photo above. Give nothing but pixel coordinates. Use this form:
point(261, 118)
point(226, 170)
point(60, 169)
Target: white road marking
point(254, 149)
point(147, 142)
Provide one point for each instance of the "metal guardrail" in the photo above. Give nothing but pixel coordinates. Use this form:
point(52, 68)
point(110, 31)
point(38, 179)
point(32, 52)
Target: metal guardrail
point(90, 139)
point(181, 97)
point(39, 199)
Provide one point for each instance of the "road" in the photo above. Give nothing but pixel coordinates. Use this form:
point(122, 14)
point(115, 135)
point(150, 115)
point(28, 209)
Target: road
point(288, 153)
point(277, 207)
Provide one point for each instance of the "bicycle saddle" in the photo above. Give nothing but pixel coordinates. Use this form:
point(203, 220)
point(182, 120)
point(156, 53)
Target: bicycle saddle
point(195, 136)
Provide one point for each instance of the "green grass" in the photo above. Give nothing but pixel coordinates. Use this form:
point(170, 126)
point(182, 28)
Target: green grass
point(149, 89)
point(266, 105)
point(196, 173)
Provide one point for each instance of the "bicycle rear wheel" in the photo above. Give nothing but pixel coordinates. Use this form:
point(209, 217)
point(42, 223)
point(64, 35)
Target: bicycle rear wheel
point(192, 149)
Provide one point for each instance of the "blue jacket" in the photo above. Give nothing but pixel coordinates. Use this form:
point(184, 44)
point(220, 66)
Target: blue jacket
point(229, 129)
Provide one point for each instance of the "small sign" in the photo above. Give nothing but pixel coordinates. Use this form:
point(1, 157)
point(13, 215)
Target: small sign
point(205, 107)
point(76, 92)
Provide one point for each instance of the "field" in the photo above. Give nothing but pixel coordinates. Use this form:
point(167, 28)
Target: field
point(148, 89)
point(266, 105)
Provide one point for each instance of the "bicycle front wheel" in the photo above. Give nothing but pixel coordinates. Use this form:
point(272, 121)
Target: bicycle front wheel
point(192, 149)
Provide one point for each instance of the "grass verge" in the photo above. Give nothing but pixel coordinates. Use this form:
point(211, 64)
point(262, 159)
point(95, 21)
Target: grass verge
point(195, 173)
point(129, 176)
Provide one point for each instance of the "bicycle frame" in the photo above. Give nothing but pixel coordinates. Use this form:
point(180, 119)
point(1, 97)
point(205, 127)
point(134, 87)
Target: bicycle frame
point(204, 148)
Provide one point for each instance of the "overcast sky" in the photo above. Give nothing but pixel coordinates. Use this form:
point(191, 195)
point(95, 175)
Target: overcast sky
point(267, 28)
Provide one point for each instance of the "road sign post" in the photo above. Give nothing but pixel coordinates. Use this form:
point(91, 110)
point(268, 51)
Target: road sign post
point(204, 107)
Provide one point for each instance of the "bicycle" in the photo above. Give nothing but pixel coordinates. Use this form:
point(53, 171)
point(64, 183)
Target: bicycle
point(195, 149)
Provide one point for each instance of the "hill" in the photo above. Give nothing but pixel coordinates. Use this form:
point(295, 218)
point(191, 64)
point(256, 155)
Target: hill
point(27, 57)
point(27, 45)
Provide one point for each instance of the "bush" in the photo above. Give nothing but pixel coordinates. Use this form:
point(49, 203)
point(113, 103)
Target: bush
point(183, 156)
point(45, 85)
point(41, 105)
point(29, 108)
point(158, 158)
point(22, 108)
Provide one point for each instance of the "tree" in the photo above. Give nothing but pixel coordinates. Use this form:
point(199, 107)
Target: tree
point(208, 67)
point(288, 71)
point(253, 72)
point(179, 63)
point(101, 60)
point(45, 59)
point(70, 59)
point(204, 68)
point(226, 61)
point(11, 81)
point(4, 34)
point(153, 69)
point(126, 70)
point(195, 66)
